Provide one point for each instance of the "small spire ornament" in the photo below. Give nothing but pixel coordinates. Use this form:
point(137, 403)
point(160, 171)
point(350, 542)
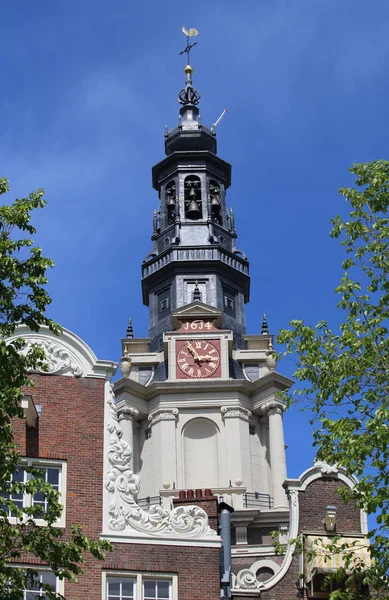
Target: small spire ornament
point(196, 292)
point(130, 331)
point(265, 326)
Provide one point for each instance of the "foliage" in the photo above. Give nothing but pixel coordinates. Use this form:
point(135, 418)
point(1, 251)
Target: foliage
point(24, 299)
point(345, 372)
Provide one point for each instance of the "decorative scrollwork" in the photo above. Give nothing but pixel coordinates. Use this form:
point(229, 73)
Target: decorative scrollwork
point(246, 580)
point(59, 361)
point(325, 468)
point(229, 412)
point(189, 95)
point(123, 485)
point(163, 414)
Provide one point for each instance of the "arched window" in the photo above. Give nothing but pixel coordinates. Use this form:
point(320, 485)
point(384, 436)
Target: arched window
point(192, 193)
point(215, 201)
point(201, 454)
point(171, 200)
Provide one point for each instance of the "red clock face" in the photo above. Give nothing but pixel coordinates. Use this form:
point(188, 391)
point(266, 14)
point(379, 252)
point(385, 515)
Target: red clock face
point(198, 359)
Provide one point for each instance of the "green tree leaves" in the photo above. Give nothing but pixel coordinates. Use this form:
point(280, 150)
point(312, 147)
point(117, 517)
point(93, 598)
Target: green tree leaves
point(345, 373)
point(24, 299)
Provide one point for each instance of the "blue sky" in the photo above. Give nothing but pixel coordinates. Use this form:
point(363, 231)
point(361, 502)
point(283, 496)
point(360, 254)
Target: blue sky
point(88, 87)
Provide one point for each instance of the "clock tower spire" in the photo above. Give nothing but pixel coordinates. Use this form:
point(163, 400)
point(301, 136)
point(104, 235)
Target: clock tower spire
point(194, 250)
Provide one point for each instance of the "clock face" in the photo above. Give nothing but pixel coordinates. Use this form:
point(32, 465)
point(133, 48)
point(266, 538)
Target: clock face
point(198, 359)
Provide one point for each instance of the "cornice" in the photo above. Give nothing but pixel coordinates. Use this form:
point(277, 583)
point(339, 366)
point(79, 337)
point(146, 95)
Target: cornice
point(156, 388)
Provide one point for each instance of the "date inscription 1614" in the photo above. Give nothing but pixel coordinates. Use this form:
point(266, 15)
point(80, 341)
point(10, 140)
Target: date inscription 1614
point(198, 358)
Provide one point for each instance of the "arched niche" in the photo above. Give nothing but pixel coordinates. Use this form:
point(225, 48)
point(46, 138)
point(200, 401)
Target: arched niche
point(201, 454)
point(214, 197)
point(192, 194)
point(170, 202)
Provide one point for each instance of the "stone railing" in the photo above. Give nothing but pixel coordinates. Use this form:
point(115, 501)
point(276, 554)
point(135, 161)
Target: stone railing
point(155, 263)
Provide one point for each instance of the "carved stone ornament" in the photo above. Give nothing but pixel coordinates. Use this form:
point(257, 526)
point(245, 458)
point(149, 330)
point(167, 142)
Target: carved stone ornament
point(59, 360)
point(276, 406)
point(246, 580)
point(123, 486)
point(230, 412)
point(163, 414)
point(325, 468)
point(127, 413)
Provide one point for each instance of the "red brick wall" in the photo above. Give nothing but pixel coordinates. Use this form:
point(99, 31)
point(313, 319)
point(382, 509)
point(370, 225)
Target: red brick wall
point(319, 494)
point(71, 428)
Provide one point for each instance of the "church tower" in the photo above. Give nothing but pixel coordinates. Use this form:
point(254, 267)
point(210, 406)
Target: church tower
point(194, 255)
point(198, 400)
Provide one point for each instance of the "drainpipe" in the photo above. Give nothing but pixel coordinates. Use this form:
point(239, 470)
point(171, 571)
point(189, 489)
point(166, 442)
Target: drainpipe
point(225, 511)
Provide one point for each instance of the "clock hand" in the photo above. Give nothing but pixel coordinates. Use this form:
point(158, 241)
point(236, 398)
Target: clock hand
point(206, 357)
point(193, 352)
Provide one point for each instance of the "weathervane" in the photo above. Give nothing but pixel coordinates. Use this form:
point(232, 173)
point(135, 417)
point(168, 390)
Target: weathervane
point(192, 32)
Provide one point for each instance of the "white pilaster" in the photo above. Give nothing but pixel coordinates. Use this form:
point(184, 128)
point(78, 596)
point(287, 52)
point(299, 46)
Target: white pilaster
point(163, 422)
point(236, 422)
point(274, 410)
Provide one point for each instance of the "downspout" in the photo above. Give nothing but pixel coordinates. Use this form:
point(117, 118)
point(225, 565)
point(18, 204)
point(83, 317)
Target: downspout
point(225, 511)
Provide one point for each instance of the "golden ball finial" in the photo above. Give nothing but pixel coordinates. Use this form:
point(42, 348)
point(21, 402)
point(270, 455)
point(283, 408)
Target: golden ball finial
point(188, 69)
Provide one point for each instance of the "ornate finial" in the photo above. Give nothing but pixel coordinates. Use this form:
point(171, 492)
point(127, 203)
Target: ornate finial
point(130, 331)
point(265, 326)
point(196, 292)
point(188, 95)
point(232, 221)
point(192, 32)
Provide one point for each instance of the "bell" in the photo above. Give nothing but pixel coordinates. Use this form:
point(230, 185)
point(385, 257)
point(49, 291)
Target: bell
point(215, 201)
point(192, 193)
point(193, 211)
point(171, 201)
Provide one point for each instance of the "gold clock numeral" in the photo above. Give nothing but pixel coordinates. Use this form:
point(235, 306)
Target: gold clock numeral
point(185, 366)
point(191, 371)
point(208, 372)
point(198, 344)
point(198, 374)
point(212, 365)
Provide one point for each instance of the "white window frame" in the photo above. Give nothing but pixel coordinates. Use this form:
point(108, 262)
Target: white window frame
point(139, 578)
point(59, 583)
point(40, 463)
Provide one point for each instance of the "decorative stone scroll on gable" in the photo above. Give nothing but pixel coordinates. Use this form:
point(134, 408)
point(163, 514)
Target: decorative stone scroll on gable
point(123, 486)
point(325, 468)
point(59, 360)
point(66, 353)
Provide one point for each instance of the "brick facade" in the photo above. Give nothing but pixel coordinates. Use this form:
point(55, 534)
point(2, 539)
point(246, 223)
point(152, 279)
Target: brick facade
point(319, 494)
point(71, 428)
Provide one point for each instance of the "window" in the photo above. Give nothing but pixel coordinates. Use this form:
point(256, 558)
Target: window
point(145, 586)
point(43, 578)
point(148, 433)
point(252, 429)
point(120, 588)
point(229, 303)
point(164, 305)
point(163, 302)
point(53, 473)
point(323, 584)
point(36, 591)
